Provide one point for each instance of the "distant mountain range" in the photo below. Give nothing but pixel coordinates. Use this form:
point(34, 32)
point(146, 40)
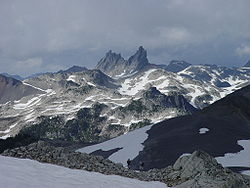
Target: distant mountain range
point(118, 96)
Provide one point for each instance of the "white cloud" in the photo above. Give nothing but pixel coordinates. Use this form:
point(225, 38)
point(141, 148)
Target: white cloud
point(243, 50)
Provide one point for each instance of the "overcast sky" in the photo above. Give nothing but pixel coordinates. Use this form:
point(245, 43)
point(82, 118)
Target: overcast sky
point(48, 35)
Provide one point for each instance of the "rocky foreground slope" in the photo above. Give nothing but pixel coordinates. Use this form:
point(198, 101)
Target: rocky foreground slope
point(196, 170)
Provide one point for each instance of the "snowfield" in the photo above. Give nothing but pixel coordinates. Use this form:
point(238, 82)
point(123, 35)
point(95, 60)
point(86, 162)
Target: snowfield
point(25, 173)
point(237, 159)
point(203, 130)
point(131, 144)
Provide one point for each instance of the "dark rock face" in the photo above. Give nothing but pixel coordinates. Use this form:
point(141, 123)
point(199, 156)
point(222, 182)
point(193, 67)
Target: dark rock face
point(12, 89)
point(139, 60)
point(228, 120)
point(153, 101)
point(196, 170)
point(101, 79)
point(173, 100)
point(115, 65)
point(85, 127)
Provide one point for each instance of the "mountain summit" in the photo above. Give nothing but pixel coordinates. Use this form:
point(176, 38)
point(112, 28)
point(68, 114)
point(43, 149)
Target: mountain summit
point(247, 64)
point(116, 66)
point(177, 66)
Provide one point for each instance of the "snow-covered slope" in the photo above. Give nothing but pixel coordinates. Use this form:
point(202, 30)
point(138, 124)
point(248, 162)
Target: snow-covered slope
point(65, 94)
point(222, 129)
point(25, 173)
point(197, 92)
point(229, 79)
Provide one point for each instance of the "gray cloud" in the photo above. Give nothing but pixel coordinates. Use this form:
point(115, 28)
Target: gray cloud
point(53, 34)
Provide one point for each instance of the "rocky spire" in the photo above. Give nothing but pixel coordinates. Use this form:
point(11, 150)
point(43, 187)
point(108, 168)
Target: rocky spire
point(110, 61)
point(116, 66)
point(139, 59)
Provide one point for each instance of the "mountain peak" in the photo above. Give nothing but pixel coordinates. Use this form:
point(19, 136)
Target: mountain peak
point(179, 62)
point(177, 65)
point(139, 58)
point(141, 49)
point(116, 66)
point(73, 69)
point(152, 92)
point(113, 55)
point(247, 64)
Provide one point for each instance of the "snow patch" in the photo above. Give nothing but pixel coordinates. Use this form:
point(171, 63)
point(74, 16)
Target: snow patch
point(128, 89)
point(203, 130)
point(31, 102)
point(246, 172)
point(33, 86)
point(237, 159)
point(9, 129)
point(72, 78)
point(131, 144)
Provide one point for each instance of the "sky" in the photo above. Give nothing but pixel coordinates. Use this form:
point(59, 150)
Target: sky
point(49, 35)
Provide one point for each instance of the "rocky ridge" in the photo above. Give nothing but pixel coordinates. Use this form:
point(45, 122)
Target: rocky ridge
point(196, 170)
point(176, 66)
point(116, 66)
point(12, 89)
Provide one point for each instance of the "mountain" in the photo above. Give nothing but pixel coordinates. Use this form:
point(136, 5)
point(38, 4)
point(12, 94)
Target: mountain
point(99, 121)
point(17, 77)
point(247, 64)
point(12, 89)
point(91, 106)
point(176, 66)
point(73, 69)
point(221, 129)
point(111, 106)
point(216, 129)
point(116, 66)
point(222, 77)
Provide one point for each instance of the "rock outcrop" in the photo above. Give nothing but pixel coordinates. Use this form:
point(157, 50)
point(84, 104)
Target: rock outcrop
point(116, 66)
point(196, 170)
